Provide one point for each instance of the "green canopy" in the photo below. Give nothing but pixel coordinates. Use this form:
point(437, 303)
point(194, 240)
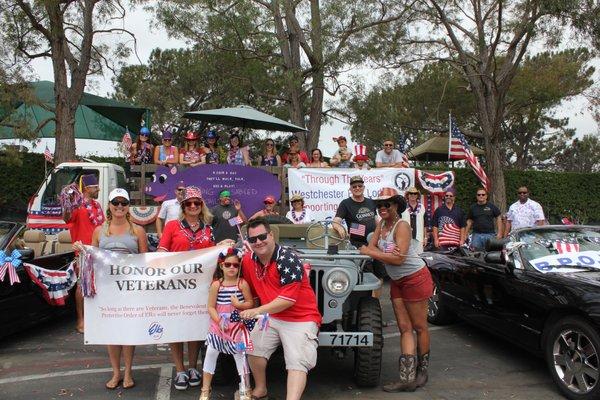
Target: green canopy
point(436, 149)
point(96, 117)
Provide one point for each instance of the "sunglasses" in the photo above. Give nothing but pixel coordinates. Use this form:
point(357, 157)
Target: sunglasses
point(357, 186)
point(388, 144)
point(449, 196)
point(270, 144)
point(523, 192)
point(269, 202)
point(167, 140)
point(481, 194)
point(116, 203)
point(231, 264)
point(181, 190)
point(413, 193)
point(192, 203)
point(383, 204)
point(262, 237)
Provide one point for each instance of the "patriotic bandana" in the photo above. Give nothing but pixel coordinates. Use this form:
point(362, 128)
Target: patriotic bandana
point(95, 212)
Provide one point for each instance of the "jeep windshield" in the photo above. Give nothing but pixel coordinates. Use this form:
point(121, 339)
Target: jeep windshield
point(562, 250)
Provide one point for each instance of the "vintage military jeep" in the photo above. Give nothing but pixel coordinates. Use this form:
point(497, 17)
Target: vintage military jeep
point(351, 316)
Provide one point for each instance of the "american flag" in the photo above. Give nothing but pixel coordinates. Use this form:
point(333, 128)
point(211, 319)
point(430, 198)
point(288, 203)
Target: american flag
point(358, 229)
point(48, 156)
point(449, 234)
point(566, 245)
point(236, 221)
point(460, 150)
point(389, 247)
point(289, 266)
point(126, 141)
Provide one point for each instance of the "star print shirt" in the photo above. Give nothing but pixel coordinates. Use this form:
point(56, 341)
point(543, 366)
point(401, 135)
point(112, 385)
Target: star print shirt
point(284, 277)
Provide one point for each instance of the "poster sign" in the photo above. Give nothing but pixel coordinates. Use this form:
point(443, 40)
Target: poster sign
point(149, 298)
point(324, 188)
point(562, 262)
point(247, 184)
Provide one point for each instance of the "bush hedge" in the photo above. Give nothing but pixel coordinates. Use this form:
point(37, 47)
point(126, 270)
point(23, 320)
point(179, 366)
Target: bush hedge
point(561, 194)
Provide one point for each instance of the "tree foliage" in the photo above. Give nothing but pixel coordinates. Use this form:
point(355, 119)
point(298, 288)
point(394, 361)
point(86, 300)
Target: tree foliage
point(69, 33)
point(303, 45)
point(419, 107)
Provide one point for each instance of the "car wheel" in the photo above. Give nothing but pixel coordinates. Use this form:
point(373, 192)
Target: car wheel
point(438, 312)
point(367, 360)
point(572, 350)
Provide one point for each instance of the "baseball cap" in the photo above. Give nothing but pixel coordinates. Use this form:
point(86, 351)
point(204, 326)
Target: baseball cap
point(356, 179)
point(270, 199)
point(167, 135)
point(212, 134)
point(118, 192)
point(180, 184)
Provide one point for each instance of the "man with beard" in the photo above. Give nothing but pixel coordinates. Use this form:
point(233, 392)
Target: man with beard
point(448, 228)
point(222, 213)
point(82, 221)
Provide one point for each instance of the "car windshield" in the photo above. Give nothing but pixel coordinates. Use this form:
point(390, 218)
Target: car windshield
point(554, 250)
point(5, 228)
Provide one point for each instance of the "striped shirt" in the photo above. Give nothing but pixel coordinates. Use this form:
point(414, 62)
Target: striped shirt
point(225, 293)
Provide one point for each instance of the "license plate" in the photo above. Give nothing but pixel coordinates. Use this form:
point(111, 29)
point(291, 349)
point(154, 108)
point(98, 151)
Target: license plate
point(346, 339)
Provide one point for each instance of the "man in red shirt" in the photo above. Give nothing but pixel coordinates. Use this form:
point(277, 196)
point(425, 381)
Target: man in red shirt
point(82, 221)
point(277, 277)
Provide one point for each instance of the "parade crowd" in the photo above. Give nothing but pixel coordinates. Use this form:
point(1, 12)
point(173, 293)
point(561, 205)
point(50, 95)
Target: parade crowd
point(268, 278)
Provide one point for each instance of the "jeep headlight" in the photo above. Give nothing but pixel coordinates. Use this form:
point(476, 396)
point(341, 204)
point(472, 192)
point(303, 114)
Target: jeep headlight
point(337, 283)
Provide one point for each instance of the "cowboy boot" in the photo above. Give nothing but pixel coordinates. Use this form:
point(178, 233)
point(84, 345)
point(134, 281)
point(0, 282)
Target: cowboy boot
point(407, 374)
point(422, 367)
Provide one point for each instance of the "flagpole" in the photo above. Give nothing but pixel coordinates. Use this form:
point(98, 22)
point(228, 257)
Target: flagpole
point(449, 135)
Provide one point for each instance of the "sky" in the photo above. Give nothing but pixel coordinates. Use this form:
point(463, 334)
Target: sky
point(150, 37)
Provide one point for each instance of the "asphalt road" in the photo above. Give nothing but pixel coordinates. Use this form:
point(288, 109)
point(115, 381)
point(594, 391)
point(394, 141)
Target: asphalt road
point(51, 362)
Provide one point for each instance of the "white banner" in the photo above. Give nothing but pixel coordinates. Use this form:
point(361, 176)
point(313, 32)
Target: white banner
point(149, 298)
point(561, 262)
point(324, 188)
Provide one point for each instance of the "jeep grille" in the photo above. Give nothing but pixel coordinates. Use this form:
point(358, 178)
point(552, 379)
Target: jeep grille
point(316, 277)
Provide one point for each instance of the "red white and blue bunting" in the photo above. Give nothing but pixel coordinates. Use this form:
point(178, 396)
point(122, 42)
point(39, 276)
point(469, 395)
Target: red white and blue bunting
point(55, 284)
point(436, 183)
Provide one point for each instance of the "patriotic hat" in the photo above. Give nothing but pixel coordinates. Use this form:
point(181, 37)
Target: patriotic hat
point(191, 135)
point(230, 251)
point(270, 199)
point(212, 134)
point(167, 135)
point(361, 153)
point(192, 192)
point(89, 180)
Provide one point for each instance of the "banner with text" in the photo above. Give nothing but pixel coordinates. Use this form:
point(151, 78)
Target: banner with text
point(149, 298)
point(324, 188)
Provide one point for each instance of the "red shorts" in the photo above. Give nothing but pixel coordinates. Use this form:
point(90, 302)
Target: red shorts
point(414, 287)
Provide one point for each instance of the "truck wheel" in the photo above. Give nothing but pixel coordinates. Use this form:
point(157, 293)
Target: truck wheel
point(572, 350)
point(438, 313)
point(367, 360)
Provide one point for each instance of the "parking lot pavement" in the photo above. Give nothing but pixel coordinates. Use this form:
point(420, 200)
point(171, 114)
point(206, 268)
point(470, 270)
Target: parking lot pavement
point(50, 362)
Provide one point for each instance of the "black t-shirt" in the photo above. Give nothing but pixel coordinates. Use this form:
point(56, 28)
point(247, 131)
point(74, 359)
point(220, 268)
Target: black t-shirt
point(483, 216)
point(363, 213)
point(221, 228)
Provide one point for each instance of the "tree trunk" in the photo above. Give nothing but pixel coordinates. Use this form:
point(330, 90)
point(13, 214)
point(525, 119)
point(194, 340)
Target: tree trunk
point(495, 173)
point(318, 79)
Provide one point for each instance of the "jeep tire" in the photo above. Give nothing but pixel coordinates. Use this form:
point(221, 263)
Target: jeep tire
point(367, 360)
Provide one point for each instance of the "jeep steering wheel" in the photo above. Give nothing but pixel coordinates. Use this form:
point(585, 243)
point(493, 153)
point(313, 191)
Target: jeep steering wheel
point(327, 233)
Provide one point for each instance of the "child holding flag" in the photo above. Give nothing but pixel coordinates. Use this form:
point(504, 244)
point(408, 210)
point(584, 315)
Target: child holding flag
point(228, 334)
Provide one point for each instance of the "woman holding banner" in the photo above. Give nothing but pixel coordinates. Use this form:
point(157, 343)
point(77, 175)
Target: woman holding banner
point(192, 232)
point(121, 235)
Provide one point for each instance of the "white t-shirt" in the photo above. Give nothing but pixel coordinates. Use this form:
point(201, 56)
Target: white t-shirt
point(523, 215)
point(169, 210)
point(299, 218)
point(394, 157)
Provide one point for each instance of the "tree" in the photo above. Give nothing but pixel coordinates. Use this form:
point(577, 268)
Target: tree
point(487, 41)
point(66, 32)
point(580, 156)
point(304, 45)
point(419, 106)
point(178, 80)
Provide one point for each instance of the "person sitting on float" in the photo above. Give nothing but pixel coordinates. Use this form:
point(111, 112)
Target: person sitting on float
point(316, 160)
point(270, 203)
point(269, 158)
point(190, 154)
point(213, 153)
point(299, 214)
point(342, 158)
point(166, 154)
point(294, 161)
point(237, 154)
point(142, 150)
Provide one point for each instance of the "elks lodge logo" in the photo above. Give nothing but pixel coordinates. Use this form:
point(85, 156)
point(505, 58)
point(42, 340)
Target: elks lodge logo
point(402, 181)
point(155, 331)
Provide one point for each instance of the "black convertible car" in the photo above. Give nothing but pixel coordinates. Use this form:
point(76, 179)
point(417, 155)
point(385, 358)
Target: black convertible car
point(540, 289)
point(22, 304)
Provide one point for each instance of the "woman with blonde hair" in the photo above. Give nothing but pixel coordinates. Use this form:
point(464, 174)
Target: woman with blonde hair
point(119, 234)
point(269, 158)
point(192, 231)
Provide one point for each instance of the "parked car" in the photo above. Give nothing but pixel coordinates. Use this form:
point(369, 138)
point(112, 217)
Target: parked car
point(22, 304)
point(540, 289)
